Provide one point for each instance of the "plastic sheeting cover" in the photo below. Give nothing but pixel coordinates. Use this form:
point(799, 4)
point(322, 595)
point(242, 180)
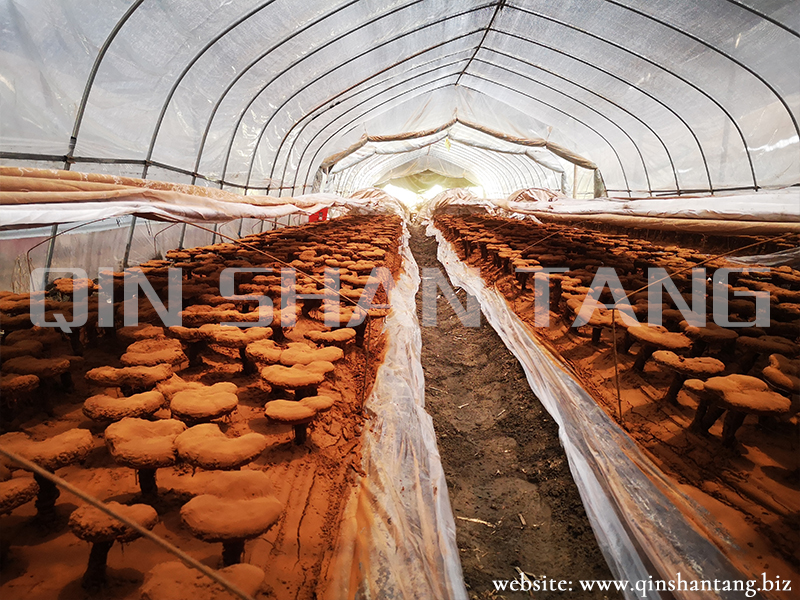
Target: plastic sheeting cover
point(633, 509)
point(405, 522)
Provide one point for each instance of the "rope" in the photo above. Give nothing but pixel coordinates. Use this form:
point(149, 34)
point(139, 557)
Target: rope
point(188, 560)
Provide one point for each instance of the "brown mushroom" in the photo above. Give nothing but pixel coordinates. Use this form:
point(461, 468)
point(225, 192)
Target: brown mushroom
point(754, 347)
point(740, 395)
point(696, 368)
point(50, 454)
point(103, 408)
point(264, 351)
point(43, 368)
point(155, 351)
point(130, 379)
point(15, 492)
point(101, 530)
point(230, 521)
point(236, 337)
point(207, 447)
point(200, 405)
point(337, 337)
point(299, 378)
point(656, 337)
point(299, 353)
point(145, 446)
point(21, 348)
point(710, 335)
point(783, 374)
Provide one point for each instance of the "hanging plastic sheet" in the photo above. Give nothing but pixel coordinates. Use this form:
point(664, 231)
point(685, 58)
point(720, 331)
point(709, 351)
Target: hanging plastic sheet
point(398, 541)
point(643, 524)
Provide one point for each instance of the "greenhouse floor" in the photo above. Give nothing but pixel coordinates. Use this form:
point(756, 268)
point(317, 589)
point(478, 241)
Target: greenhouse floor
point(513, 497)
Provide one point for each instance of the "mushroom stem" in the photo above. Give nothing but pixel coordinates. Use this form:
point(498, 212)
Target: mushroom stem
point(305, 392)
point(147, 482)
point(300, 434)
point(66, 381)
point(596, 332)
point(698, 348)
point(75, 342)
point(232, 551)
point(672, 393)
point(95, 575)
point(733, 420)
point(248, 367)
point(46, 499)
point(642, 357)
point(627, 341)
point(193, 352)
point(361, 330)
point(277, 333)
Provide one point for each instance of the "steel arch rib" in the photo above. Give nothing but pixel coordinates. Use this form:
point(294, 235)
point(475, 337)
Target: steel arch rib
point(308, 172)
point(719, 51)
point(571, 57)
point(87, 89)
point(332, 98)
point(310, 54)
point(659, 66)
point(625, 133)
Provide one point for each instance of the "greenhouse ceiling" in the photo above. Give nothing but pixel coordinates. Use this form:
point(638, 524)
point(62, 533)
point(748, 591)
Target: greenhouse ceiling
point(662, 96)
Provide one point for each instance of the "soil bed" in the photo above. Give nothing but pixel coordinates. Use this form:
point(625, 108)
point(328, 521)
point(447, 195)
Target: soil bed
point(514, 500)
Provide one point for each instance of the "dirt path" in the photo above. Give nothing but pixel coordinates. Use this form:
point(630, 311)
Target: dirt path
point(502, 459)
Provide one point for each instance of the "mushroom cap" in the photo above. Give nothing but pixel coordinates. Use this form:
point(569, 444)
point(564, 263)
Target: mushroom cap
point(21, 348)
point(207, 447)
point(660, 337)
point(291, 377)
point(769, 343)
point(11, 383)
point(215, 519)
point(16, 492)
point(55, 452)
point(234, 337)
point(143, 444)
point(176, 581)
point(266, 351)
point(227, 484)
point(143, 331)
point(287, 411)
point(699, 368)
point(46, 335)
point(320, 366)
point(711, 333)
point(747, 394)
point(176, 384)
point(93, 525)
point(318, 403)
point(136, 377)
point(303, 355)
point(106, 408)
point(41, 367)
point(344, 334)
point(783, 373)
point(205, 403)
point(154, 351)
point(187, 334)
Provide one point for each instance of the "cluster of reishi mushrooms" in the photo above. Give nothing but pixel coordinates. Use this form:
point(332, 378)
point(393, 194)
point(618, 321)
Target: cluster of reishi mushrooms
point(158, 405)
point(747, 370)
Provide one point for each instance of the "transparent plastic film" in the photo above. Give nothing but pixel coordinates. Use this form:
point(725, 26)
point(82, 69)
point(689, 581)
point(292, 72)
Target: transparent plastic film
point(643, 524)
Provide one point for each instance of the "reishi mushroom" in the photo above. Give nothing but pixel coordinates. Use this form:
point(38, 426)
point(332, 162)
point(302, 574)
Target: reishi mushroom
point(696, 368)
point(101, 530)
point(656, 337)
point(50, 454)
point(103, 408)
point(230, 521)
point(200, 405)
point(207, 447)
point(145, 446)
point(300, 378)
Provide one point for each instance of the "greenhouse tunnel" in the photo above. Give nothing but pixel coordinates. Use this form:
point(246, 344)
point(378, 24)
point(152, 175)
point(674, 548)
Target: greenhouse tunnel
point(413, 299)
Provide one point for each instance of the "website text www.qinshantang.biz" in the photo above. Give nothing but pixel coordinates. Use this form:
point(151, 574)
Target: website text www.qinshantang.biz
point(646, 588)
